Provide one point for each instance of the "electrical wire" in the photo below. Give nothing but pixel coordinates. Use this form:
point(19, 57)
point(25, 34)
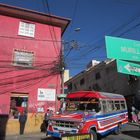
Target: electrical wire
point(30, 39)
point(73, 17)
point(87, 52)
point(24, 85)
point(46, 4)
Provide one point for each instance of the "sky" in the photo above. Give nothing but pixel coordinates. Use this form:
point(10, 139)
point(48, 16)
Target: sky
point(96, 19)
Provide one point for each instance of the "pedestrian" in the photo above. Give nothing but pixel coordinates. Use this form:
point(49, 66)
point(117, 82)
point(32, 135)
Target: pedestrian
point(134, 114)
point(47, 117)
point(48, 114)
point(22, 121)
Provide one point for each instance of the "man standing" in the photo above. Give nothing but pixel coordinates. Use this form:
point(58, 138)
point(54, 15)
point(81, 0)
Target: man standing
point(22, 121)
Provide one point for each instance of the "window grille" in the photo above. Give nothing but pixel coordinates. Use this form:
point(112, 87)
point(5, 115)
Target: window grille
point(23, 58)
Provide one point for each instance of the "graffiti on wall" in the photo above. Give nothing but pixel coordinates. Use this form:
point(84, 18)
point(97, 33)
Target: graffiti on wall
point(38, 109)
point(41, 106)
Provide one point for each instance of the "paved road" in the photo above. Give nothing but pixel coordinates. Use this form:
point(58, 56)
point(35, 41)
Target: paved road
point(129, 132)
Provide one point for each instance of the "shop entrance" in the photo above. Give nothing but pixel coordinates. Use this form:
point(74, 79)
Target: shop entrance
point(18, 104)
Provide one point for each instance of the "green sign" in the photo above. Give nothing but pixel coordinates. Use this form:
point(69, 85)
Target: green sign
point(128, 68)
point(122, 48)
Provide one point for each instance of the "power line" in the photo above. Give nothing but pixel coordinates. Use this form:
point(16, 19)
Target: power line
point(46, 4)
point(73, 16)
point(25, 79)
point(31, 39)
point(24, 85)
point(116, 30)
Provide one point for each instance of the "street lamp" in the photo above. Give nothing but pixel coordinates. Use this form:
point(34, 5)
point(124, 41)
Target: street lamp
point(77, 29)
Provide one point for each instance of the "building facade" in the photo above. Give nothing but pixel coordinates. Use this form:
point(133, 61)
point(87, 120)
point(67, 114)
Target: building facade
point(30, 48)
point(104, 77)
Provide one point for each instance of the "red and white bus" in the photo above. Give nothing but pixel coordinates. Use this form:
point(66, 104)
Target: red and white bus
point(97, 113)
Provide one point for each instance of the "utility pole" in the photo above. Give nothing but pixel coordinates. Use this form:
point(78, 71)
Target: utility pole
point(62, 67)
point(73, 44)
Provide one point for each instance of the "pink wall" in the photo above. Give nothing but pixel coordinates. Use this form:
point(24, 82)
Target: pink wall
point(21, 79)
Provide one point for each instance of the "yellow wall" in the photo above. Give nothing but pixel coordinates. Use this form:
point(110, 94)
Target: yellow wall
point(34, 121)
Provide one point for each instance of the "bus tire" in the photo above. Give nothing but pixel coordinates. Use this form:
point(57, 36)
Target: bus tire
point(118, 129)
point(93, 135)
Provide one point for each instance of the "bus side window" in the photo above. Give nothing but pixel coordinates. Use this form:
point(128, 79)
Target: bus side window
point(117, 105)
point(109, 106)
point(104, 106)
point(113, 107)
point(123, 105)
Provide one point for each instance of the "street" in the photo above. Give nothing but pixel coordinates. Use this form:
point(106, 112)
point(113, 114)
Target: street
point(129, 132)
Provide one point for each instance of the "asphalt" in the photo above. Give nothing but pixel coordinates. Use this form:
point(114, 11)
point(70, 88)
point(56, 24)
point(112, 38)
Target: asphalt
point(41, 135)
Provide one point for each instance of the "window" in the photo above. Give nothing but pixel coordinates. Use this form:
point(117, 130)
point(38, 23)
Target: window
point(132, 79)
point(97, 76)
point(90, 104)
point(23, 58)
point(70, 86)
point(104, 106)
point(96, 87)
point(82, 81)
point(109, 106)
point(123, 105)
point(117, 105)
point(26, 29)
point(107, 70)
point(75, 86)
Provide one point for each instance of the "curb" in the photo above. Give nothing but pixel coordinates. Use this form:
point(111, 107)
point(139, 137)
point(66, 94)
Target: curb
point(135, 124)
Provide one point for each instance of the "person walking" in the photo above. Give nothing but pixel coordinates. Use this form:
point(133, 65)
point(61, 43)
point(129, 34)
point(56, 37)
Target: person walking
point(22, 121)
point(134, 114)
point(47, 117)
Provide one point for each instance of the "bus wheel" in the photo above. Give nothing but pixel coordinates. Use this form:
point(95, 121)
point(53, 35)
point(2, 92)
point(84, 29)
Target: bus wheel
point(93, 135)
point(118, 129)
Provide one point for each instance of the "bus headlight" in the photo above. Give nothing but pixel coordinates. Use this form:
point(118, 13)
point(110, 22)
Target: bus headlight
point(80, 125)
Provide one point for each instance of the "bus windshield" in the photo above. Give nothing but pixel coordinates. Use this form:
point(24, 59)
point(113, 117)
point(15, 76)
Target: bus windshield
point(84, 104)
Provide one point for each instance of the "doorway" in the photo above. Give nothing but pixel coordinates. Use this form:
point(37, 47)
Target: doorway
point(18, 104)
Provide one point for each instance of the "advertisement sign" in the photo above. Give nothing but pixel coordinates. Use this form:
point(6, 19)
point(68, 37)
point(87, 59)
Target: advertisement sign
point(46, 94)
point(120, 48)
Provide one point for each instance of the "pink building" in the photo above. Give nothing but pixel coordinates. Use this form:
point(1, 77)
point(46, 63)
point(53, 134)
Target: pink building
point(30, 47)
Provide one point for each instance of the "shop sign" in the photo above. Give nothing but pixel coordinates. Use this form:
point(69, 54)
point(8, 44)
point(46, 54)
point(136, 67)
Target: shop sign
point(46, 94)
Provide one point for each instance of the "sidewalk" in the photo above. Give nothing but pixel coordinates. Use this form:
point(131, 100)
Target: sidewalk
point(135, 123)
point(31, 136)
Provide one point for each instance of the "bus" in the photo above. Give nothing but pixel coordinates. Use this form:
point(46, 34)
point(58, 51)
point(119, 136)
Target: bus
point(92, 112)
